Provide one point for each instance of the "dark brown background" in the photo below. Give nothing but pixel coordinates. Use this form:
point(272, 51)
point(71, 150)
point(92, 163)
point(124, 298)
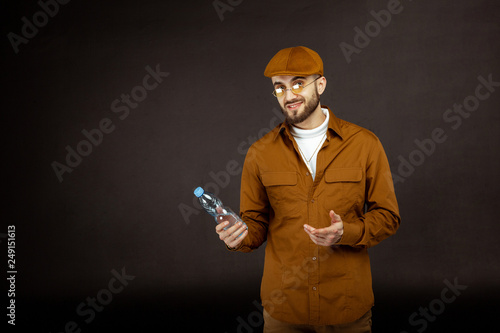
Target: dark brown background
point(121, 207)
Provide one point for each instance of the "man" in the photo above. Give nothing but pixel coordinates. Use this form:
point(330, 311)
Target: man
point(319, 190)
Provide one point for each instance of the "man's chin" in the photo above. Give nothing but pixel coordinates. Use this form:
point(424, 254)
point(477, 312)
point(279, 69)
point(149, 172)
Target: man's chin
point(293, 116)
point(294, 120)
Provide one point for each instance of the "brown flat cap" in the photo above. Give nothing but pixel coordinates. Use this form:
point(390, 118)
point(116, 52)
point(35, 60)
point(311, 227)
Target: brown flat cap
point(298, 60)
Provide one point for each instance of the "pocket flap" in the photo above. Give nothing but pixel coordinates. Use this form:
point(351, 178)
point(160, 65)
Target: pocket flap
point(279, 178)
point(343, 175)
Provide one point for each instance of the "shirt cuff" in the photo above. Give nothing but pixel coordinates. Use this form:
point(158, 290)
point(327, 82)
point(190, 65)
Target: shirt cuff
point(352, 233)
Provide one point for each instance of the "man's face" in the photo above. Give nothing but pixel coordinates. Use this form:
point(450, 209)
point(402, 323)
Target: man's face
point(297, 107)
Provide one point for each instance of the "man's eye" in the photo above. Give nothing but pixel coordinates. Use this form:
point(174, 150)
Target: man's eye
point(297, 85)
point(280, 89)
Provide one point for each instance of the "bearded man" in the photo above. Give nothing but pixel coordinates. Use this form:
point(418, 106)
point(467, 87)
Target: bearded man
point(319, 190)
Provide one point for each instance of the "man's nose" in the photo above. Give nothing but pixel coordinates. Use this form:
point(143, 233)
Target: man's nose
point(289, 95)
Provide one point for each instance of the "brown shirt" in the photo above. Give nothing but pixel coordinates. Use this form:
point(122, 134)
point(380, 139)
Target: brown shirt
point(305, 283)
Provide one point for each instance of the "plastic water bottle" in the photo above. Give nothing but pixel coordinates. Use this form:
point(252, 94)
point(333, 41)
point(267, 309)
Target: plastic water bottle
point(214, 207)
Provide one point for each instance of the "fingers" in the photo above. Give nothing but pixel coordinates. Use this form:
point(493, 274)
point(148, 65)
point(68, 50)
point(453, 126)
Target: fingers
point(313, 236)
point(240, 235)
point(220, 227)
point(317, 232)
point(324, 236)
point(310, 230)
point(234, 235)
point(325, 241)
point(329, 235)
point(225, 234)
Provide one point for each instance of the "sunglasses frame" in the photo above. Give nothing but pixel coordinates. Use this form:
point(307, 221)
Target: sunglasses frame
point(300, 89)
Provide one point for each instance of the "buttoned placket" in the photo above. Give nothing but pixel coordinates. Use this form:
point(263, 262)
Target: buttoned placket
point(312, 217)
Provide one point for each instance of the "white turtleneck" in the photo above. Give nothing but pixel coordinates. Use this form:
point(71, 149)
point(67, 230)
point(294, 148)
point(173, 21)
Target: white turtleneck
point(310, 142)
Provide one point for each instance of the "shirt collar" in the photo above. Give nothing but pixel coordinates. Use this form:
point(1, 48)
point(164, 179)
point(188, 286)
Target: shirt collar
point(333, 124)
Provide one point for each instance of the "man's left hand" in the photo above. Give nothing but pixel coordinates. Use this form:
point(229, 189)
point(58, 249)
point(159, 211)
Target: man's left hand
point(327, 236)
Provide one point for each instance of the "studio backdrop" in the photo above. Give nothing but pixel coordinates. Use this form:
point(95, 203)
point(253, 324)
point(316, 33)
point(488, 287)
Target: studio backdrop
point(115, 111)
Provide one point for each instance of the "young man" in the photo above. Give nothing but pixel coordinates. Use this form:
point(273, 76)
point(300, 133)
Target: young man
point(320, 191)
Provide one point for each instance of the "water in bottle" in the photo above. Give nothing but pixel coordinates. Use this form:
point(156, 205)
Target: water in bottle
point(214, 207)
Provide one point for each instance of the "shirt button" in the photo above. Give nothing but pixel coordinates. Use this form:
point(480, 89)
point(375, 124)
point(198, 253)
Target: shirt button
point(312, 200)
point(314, 288)
point(314, 258)
point(307, 173)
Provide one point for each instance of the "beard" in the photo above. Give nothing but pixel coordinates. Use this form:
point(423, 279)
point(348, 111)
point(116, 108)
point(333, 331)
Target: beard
point(293, 117)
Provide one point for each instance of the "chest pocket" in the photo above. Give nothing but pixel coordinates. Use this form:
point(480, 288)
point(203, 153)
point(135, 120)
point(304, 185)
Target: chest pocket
point(343, 175)
point(345, 188)
point(281, 189)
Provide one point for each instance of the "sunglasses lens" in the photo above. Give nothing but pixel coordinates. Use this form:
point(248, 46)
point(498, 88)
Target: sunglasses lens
point(297, 88)
point(278, 92)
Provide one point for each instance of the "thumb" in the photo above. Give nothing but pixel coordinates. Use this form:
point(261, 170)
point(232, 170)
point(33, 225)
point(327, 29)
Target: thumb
point(335, 217)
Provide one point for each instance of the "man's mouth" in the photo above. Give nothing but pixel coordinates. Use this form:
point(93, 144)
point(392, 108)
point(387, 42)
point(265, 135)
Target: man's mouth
point(294, 106)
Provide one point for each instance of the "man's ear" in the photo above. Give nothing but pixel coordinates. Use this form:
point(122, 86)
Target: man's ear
point(321, 84)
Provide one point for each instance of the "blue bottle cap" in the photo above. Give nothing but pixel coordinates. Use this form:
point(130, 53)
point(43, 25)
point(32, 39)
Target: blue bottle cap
point(199, 192)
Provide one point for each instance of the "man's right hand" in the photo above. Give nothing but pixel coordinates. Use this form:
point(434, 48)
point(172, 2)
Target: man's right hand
point(233, 236)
